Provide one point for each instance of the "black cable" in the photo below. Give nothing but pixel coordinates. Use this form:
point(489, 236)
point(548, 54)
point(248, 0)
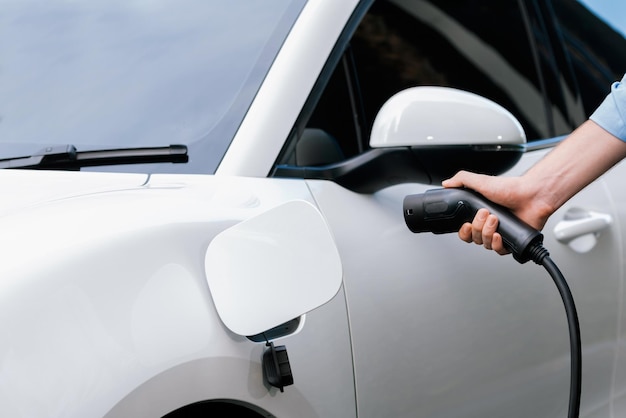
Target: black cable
point(542, 257)
point(444, 210)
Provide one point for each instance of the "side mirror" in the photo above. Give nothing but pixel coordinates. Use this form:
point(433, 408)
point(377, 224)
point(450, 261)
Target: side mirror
point(427, 117)
point(425, 135)
point(272, 268)
point(450, 130)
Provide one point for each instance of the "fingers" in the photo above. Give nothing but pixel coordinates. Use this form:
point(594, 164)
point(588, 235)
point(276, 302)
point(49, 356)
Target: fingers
point(465, 232)
point(491, 239)
point(498, 246)
point(477, 226)
point(489, 230)
point(482, 231)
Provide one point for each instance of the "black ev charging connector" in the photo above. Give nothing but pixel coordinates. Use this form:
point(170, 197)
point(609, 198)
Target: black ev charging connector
point(442, 211)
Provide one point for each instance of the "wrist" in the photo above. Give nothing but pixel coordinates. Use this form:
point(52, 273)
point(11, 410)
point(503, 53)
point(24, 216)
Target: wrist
point(537, 200)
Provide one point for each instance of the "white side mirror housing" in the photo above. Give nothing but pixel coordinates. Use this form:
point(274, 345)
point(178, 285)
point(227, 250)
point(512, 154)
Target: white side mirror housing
point(442, 116)
point(425, 135)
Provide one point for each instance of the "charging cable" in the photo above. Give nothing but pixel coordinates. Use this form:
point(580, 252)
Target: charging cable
point(442, 211)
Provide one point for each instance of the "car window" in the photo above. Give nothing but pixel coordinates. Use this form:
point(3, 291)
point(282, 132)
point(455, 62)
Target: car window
point(508, 51)
point(482, 47)
point(128, 73)
point(611, 12)
point(593, 36)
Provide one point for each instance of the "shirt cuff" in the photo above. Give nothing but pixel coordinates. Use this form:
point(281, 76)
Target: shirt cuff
point(611, 114)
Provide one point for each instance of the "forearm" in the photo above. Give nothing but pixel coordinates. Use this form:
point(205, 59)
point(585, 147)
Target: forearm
point(593, 148)
point(577, 161)
point(580, 159)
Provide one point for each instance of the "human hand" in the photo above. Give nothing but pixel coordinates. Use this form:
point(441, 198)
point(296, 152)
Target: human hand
point(510, 192)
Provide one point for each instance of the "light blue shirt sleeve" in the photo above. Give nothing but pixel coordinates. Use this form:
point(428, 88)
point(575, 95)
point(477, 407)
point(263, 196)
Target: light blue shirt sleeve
point(611, 114)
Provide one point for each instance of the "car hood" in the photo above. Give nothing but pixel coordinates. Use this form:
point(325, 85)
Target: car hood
point(28, 188)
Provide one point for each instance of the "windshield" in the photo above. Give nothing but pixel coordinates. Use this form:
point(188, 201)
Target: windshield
point(134, 73)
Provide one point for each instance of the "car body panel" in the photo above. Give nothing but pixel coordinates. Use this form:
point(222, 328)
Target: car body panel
point(145, 253)
point(278, 265)
point(235, 375)
point(613, 182)
point(28, 188)
point(105, 308)
point(462, 351)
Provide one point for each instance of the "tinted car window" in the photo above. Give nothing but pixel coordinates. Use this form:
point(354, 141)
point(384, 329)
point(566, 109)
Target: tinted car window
point(482, 47)
point(118, 73)
point(593, 36)
point(509, 51)
point(610, 12)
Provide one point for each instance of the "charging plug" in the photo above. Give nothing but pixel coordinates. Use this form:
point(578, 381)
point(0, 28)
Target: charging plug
point(442, 211)
point(276, 367)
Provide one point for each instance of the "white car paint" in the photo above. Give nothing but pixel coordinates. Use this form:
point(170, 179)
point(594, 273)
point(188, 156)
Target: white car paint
point(280, 265)
point(415, 116)
point(454, 304)
point(68, 351)
point(105, 308)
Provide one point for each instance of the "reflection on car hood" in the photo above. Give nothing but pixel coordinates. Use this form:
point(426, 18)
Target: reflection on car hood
point(24, 188)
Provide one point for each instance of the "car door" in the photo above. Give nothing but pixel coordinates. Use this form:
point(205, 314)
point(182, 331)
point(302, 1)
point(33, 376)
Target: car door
point(439, 328)
point(583, 49)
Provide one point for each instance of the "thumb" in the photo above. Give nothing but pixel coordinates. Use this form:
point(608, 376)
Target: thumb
point(467, 179)
point(491, 187)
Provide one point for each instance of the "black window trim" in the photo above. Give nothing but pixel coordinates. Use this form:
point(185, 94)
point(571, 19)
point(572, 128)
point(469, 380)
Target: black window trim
point(334, 59)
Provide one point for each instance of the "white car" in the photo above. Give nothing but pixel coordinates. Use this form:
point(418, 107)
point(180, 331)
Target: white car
point(201, 209)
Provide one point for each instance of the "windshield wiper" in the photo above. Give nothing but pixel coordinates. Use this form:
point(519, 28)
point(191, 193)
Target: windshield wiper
point(67, 158)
